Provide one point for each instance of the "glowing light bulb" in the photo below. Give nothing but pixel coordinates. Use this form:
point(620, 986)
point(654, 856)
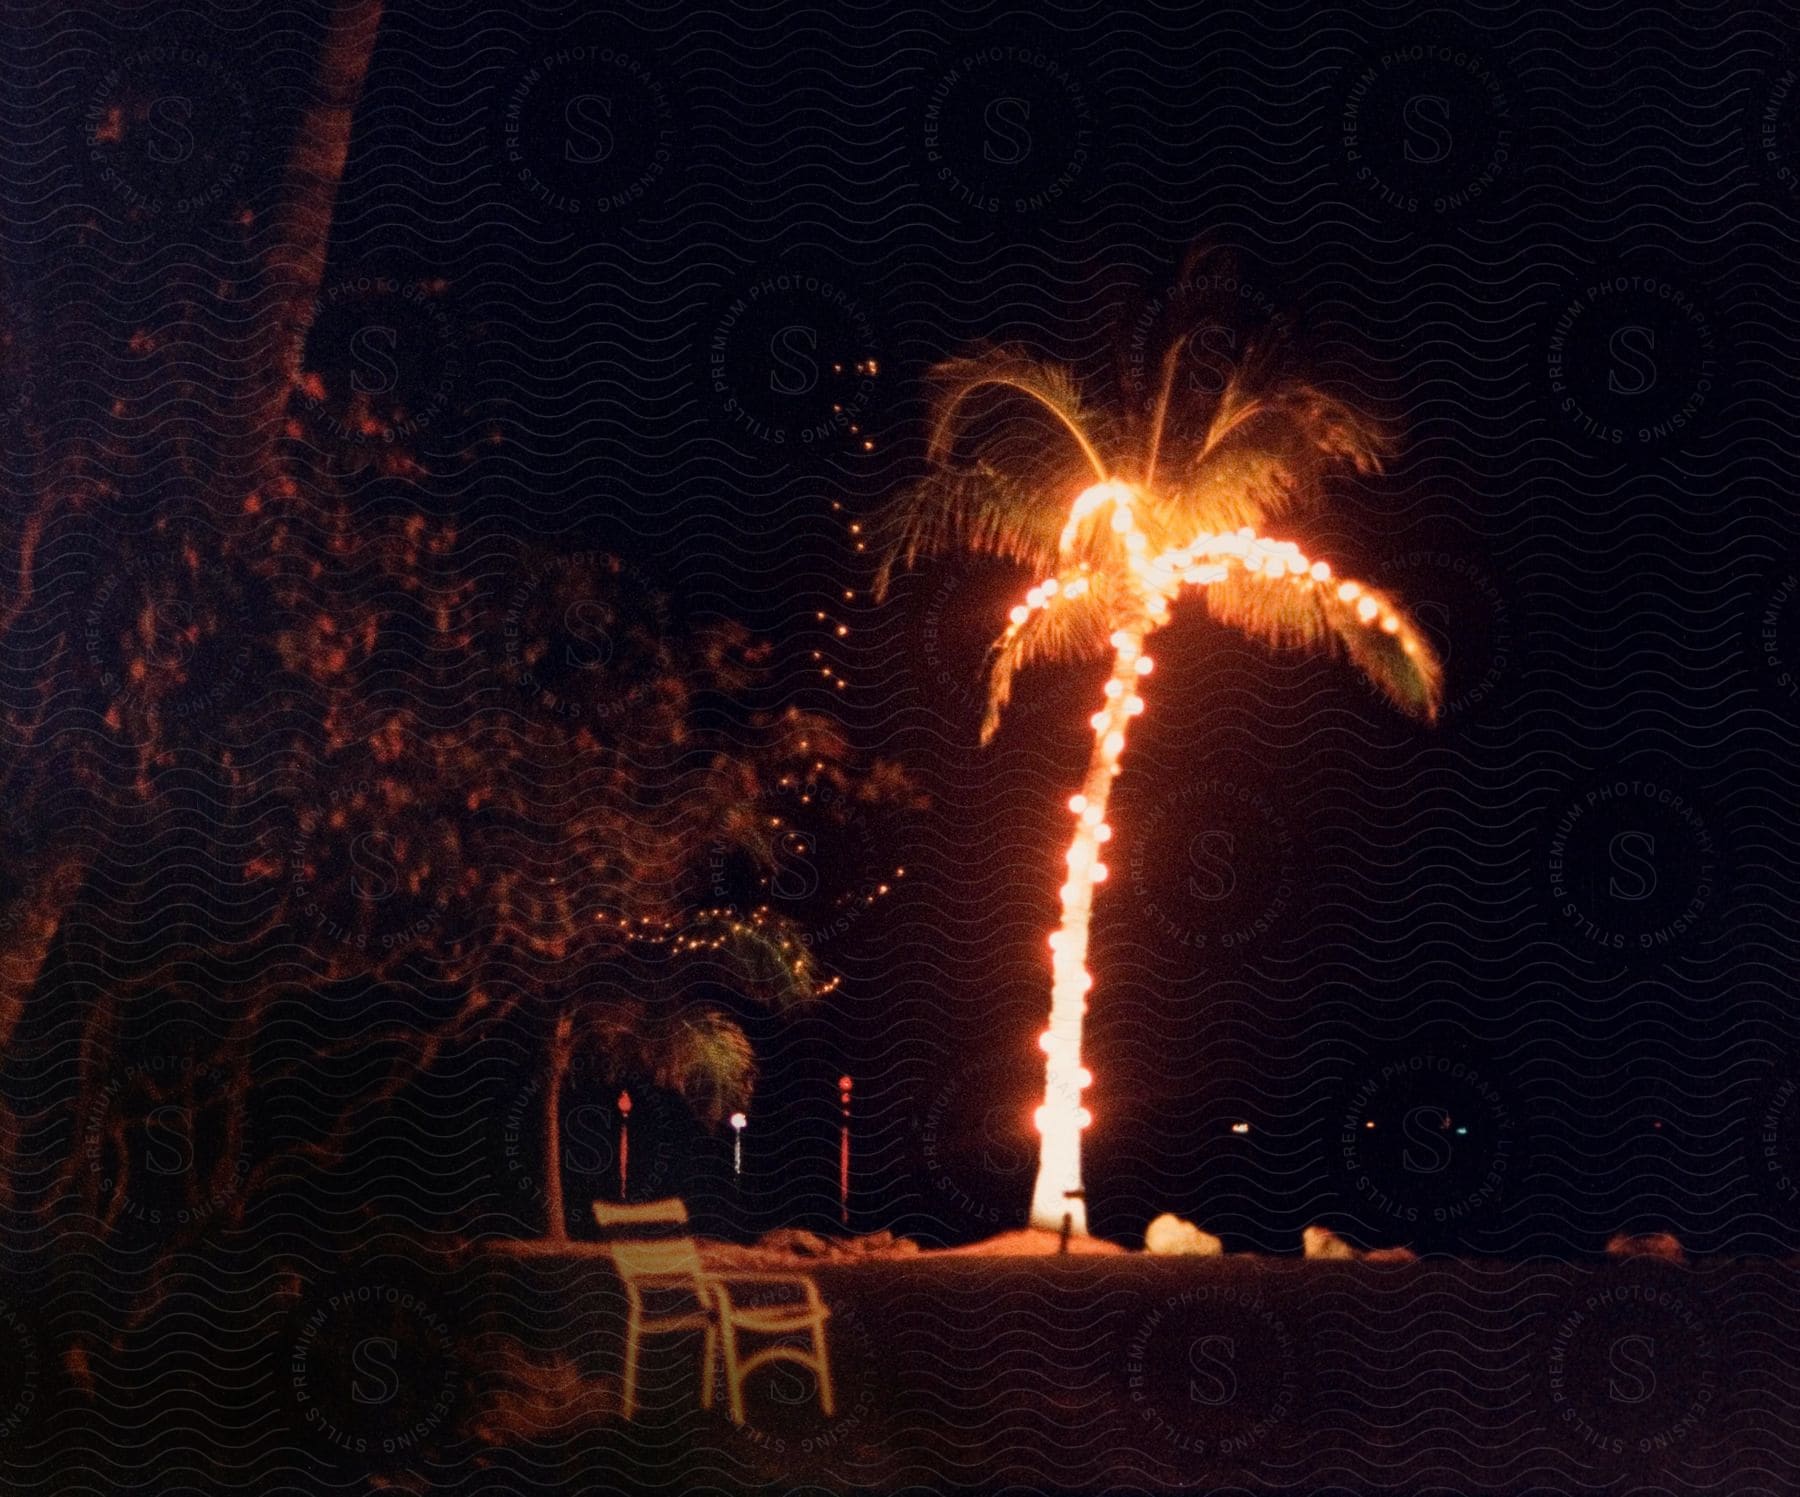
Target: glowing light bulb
point(1099, 721)
point(1019, 614)
point(1144, 665)
point(1078, 803)
point(1098, 873)
point(1084, 1078)
point(1389, 624)
point(1103, 833)
point(1115, 689)
point(1348, 592)
point(1119, 639)
point(1367, 608)
point(1133, 705)
point(1113, 745)
point(1083, 1118)
point(1320, 573)
point(1090, 815)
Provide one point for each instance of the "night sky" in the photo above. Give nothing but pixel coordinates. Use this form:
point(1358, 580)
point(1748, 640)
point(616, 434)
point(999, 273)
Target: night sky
point(665, 283)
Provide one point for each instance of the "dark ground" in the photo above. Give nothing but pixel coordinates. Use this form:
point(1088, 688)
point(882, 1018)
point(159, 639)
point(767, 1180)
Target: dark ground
point(1127, 1374)
point(965, 1374)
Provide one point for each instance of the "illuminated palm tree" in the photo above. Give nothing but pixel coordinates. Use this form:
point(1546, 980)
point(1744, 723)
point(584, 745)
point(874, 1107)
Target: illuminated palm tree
point(1121, 516)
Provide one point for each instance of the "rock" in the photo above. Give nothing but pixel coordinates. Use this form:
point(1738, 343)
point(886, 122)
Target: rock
point(1323, 1243)
point(1170, 1236)
point(1390, 1255)
point(1664, 1245)
point(794, 1242)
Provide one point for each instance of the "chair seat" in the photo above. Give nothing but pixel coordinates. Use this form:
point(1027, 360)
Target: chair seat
point(778, 1318)
point(693, 1320)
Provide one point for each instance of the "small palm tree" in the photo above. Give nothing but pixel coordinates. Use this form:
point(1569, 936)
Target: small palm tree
point(1117, 536)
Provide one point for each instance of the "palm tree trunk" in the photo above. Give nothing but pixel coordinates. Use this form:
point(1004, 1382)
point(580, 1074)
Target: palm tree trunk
point(555, 1227)
point(1058, 1192)
point(35, 925)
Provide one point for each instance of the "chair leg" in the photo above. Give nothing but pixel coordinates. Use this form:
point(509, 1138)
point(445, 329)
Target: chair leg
point(629, 1401)
point(734, 1379)
point(827, 1398)
point(709, 1366)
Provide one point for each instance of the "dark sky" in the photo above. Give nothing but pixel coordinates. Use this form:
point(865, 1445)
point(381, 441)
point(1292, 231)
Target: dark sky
point(1554, 252)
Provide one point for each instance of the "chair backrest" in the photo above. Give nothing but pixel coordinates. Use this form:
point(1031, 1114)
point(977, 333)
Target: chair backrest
point(669, 1212)
point(674, 1258)
point(660, 1256)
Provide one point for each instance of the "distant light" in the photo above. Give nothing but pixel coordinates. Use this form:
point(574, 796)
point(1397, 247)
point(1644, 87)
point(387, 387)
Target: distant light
point(738, 1120)
point(1461, 1131)
point(1240, 1127)
point(1370, 1123)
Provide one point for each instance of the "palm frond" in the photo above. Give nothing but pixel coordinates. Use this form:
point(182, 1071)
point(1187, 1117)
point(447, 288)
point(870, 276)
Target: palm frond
point(1264, 453)
point(764, 955)
point(1070, 629)
point(981, 508)
point(1052, 386)
point(708, 1062)
point(1299, 612)
point(1038, 447)
point(1242, 485)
